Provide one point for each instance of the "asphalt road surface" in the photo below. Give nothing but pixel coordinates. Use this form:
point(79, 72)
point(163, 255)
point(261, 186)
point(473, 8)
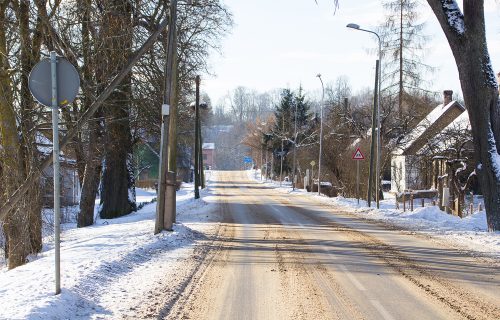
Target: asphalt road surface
point(288, 257)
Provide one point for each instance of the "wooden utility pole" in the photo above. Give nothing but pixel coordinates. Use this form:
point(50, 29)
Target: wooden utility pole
point(168, 100)
point(197, 141)
point(202, 172)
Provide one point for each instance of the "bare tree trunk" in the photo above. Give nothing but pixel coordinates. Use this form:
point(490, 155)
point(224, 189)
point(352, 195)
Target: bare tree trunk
point(91, 175)
point(15, 225)
point(117, 187)
point(467, 38)
point(30, 51)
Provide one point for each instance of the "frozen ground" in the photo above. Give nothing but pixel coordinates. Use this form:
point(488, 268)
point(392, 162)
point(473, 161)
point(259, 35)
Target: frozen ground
point(107, 269)
point(469, 233)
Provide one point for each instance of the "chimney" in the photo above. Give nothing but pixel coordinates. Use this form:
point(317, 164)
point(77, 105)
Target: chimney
point(447, 97)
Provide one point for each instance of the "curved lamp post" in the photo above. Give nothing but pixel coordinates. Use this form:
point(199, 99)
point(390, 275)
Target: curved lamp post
point(377, 179)
point(320, 132)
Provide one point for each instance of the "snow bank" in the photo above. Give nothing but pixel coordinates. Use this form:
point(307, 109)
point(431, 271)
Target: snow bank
point(107, 268)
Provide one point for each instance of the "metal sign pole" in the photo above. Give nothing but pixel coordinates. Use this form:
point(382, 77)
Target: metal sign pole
point(357, 180)
point(57, 206)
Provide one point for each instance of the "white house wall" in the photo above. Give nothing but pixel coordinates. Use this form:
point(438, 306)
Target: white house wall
point(398, 173)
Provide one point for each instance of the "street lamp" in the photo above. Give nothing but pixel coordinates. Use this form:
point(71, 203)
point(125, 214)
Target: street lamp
point(320, 132)
point(377, 179)
point(294, 146)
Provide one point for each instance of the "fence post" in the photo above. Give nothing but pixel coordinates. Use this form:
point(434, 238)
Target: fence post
point(411, 201)
point(404, 201)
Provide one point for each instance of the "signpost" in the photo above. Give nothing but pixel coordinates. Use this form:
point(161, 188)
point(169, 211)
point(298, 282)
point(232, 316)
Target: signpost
point(313, 163)
point(357, 156)
point(59, 91)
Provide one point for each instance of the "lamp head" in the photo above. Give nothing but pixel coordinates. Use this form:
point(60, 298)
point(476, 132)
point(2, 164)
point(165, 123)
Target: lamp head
point(318, 75)
point(353, 26)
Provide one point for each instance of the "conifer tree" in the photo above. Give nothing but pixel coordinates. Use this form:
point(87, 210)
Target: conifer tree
point(403, 44)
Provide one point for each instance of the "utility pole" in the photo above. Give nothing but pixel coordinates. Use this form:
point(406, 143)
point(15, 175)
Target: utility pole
point(294, 146)
point(281, 164)
point(372, 145)
point(196, 141)
point(164, 209)
point(320, 133)
point(200, 154)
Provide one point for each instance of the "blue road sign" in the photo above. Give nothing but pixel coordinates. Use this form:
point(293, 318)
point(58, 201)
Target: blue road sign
point(247, 160)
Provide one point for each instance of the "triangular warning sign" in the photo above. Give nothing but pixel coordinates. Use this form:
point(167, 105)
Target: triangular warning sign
point(358, 155)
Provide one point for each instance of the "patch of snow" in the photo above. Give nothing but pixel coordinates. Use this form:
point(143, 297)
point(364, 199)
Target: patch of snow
point(108, 268)
point(454, 16)
point(494, 156)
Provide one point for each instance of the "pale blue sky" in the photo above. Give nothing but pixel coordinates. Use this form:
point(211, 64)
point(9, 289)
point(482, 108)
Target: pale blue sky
point(284, 43)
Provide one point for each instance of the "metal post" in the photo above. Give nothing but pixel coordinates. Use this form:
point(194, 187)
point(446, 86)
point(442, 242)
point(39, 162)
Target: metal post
point(320, 133)
point(281, 163)
point(197, 141)
point(57, 186)
point(272, 165)
point(294, 146)
point(267, 165)
point(379, 149)
point(261, 160)
point(357, 180)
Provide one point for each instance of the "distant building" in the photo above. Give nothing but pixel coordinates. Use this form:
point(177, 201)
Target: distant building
point(208, 154)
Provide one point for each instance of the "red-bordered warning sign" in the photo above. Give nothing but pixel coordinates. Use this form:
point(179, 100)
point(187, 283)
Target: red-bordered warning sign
point(358, 155)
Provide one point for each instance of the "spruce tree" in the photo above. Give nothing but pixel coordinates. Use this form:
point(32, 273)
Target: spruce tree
point(403, 44)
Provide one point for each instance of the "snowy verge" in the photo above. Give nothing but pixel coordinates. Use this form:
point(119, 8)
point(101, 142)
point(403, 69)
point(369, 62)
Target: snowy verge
point(110, 268)
point(470, 233)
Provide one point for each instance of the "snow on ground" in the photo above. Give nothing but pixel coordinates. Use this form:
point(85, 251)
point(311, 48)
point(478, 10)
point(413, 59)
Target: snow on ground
point(109, 268)
point(469, 233)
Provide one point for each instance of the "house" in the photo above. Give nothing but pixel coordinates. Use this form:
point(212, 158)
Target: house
point(208, 154)
point(412, 166)
point(70, 183)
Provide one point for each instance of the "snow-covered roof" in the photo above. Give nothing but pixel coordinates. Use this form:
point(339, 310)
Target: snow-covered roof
point(437, 120)
point(208, 146)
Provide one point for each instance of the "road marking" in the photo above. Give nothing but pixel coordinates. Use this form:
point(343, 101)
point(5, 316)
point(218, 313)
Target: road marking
point(353, 279)
point(380, 308)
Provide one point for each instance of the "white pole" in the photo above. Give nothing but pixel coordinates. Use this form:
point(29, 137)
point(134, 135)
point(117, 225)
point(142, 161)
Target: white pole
point(320, 133)
point(357, 180)
point(57, 191)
